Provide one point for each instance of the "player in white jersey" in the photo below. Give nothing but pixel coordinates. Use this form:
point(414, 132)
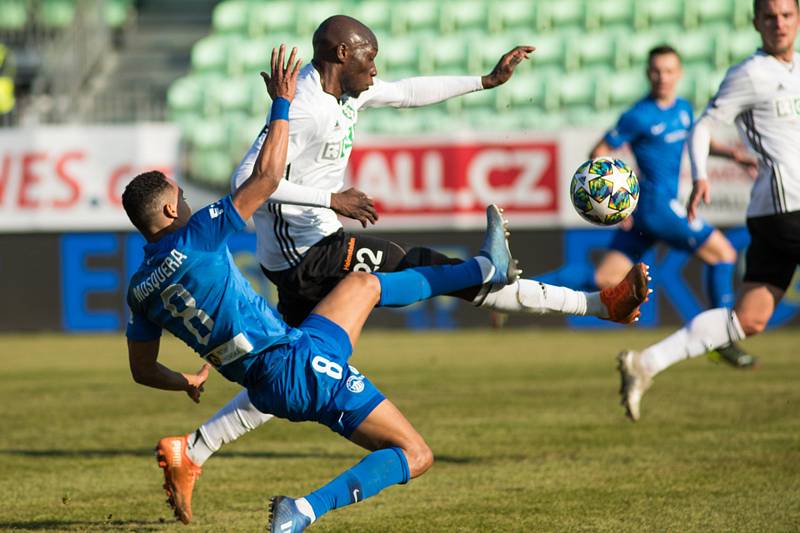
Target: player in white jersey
point(300, 242)
point(762, 96)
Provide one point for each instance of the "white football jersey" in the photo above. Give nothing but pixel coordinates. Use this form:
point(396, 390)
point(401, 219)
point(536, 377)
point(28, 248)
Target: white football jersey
point(762, 96)
point(321, 133)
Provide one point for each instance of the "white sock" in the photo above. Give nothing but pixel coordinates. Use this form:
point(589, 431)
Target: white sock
point(535, 297)
point(706, 332)
point(304, 507)
point(228, 424)
point(486, 266)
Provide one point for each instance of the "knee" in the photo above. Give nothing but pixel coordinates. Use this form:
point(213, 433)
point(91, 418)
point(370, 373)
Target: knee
point(420, 458)
point(365, 283)
point(727, 253)
point(605, 278)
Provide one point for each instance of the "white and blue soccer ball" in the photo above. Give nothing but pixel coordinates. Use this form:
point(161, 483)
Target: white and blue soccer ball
point(604, 191)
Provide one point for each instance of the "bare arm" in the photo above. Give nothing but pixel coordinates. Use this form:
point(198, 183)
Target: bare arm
point(271, 161)
point(146, 370)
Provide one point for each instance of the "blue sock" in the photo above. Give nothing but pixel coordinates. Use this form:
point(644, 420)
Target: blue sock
point(719, 284)
point(374, 473)
point(415, 284)
point(577, 276)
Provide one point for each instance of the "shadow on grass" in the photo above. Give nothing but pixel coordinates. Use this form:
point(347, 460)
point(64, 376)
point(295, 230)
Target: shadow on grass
point(100, 453)
point(85, 525)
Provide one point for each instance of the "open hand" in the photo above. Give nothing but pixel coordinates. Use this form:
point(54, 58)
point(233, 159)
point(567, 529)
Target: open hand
point(354, 204)
point(194, 386)
point(505, 67)
point(282, 83)
point(701, 192)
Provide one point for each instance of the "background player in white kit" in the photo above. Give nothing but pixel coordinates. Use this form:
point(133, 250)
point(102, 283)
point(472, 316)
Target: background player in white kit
point(300, 242)
point(761, 95)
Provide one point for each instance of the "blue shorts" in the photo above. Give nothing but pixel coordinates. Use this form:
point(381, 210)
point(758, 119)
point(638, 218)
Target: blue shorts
point(310, 379)
point(660, 221)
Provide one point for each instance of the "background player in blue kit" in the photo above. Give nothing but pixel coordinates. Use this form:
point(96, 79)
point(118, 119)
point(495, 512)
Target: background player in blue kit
point(189, 285)
point(656, 128)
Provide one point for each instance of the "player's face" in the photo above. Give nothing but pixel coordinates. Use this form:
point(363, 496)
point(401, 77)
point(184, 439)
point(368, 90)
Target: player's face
point(777, 22)
point(359, 69)
point(664, 73)
point(181, 206)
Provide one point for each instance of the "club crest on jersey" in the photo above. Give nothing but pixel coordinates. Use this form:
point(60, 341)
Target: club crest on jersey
point(355, 384)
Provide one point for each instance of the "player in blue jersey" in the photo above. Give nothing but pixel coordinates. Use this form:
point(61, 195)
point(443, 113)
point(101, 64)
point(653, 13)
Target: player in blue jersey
point(656, 128)
point(189, 285)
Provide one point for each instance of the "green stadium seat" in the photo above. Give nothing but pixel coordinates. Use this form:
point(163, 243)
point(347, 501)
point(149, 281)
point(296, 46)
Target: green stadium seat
point(185, 95)
point(13, 15)
point(116, 12)
point(209, 134)
point(561, 14)
point(415, 16)
point(458, 15)
point(400, 55)
point(607, 14)
point(635, 47)
point(232, 94)
point(625, 88)
point(267, 18)
point(490, 120)
point(480, 99)
point(533, 119)
point(210, 54)
point(593, 49)
point(56, 14)
point(550, 49)
point(577, 89)
point(376, 14)
point(231, 16)
point(700, 46)
point(253, 55)
point(486, 51)
point(742, 44)
point(242, 133)
point(743, 14)
point(311, 12)
point(447, 54)
point(650, 13)
point(708, 11)
point(212, 167)
point(512, 14)
point(524, 90)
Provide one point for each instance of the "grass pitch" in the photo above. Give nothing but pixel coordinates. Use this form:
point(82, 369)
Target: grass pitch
point(526, 427)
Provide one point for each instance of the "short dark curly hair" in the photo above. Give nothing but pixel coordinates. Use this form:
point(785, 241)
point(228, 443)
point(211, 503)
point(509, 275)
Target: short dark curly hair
point(140, 198)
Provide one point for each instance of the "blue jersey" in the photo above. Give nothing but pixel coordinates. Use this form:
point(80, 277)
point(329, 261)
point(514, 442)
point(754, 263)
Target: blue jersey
point(189, 285)
point(656, 137)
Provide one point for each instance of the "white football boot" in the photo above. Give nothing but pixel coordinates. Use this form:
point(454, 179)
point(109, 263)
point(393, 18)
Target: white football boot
point(635, 381)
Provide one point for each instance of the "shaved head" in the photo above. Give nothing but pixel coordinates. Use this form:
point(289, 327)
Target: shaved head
point(340, 30)
point(344, 55)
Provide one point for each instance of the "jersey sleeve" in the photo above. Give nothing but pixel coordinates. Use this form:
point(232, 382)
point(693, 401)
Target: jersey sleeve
point(141, 329)
point(735, 95)
point(210, 227)
point(626, 130)
point(418, 91)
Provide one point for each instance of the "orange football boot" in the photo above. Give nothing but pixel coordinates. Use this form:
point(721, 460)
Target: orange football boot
point(623, 300)
point(180, 474)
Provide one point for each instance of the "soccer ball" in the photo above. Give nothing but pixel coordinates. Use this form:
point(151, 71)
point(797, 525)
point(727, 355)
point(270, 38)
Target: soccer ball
point(604, 191)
